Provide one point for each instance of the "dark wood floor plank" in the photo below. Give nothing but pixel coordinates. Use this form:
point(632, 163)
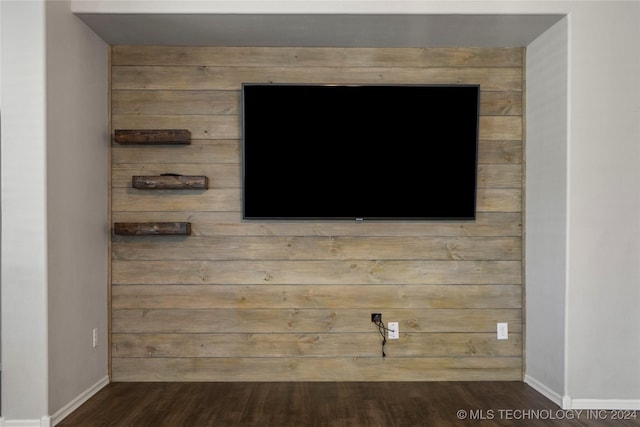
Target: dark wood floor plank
point(331, 404)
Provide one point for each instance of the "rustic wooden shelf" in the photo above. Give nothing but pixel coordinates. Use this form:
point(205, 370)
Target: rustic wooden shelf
point(152, 136)
point(152, 228)
point(170, 182)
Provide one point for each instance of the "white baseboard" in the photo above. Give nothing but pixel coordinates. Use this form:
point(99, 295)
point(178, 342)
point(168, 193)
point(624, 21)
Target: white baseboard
point(79, 400)
point(42, 422)
point(545, 391)
point(62, 413)
point(566, 402)
point(606, 404)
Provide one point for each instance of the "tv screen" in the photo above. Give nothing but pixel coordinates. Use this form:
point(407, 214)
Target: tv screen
point(359, 152)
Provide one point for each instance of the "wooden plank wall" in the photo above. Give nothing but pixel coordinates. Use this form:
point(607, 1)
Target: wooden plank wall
point(291, 301)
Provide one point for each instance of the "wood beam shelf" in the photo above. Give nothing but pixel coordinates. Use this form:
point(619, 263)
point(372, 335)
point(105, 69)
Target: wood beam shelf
point(152, 136)
point(152, 228)
point(170, 182)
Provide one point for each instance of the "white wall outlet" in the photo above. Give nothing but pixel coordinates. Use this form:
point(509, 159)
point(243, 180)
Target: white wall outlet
point(394, 330)
point(95, 337)
point(503, 331)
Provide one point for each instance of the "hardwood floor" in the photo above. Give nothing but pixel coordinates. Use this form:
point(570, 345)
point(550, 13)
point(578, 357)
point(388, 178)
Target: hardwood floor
point(348, 404)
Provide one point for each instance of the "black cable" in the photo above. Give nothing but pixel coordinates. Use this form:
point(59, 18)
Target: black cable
point(384, 339)
point(382, 329)
point(381, 326)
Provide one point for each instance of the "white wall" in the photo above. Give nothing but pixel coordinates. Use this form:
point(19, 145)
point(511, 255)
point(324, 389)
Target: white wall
point(603, 320)
point(592, 238)
point(77, 204)
point(24, 239)
point(546, 208)
point(55, 206)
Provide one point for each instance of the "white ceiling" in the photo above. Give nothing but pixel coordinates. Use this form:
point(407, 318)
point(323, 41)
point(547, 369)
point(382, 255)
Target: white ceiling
point(338, 30)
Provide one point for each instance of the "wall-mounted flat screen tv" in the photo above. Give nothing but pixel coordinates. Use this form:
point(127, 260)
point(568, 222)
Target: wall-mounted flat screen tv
point(359, 152)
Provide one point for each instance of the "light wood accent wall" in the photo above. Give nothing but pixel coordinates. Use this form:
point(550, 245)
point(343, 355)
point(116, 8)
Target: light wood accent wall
point(291, 301)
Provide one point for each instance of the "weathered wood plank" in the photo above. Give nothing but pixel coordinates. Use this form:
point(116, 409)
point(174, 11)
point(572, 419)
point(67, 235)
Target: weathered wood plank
point(219, 175)
point(499, 200)
point(487, 224)
point(321, 248)
point(183, 102)
point(228, 199)
point(208, 152)
point(318, 369)
point(317, 56)
point(169, 182)
point(205, 77)
point(500, 128)
point(295, 320)
point(228, 126)
point(152, 136)
point(228, 175)
point(317, 272)
point(500, 176)
point(228, 151)
point(201, 126)
point(268, 300)
point(243, 297)
point(500, 103)
point(313, 345)
point(216, 199)
point(151, 228)
point(509, 151)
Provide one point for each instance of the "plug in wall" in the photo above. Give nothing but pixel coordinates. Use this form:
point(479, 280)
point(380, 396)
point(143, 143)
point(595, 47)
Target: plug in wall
point(393, 330)
point(503, 331)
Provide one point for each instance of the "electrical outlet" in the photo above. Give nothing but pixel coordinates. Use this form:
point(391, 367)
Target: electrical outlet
point(503, 331)
point(376, 317)
point(394, 330)
point(95, 337)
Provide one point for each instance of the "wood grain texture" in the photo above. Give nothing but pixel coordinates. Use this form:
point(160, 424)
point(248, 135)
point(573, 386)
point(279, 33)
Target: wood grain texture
point(318, 272)
point(151, 228)
point(323, 248)
point(229, 199)
point(204, 152)
point(273, 300)
point(218, 175)
point(228, 126)
point(228, 175)
point(231, 78)
point(209, 152)
point(373, 368)
point(317, 57)
point(336, 404)
point(436, 344)
point(209, 223)
point(219, 102)
point(169, 182)
point(152, 136)
point(230, 297)
point(312, 320)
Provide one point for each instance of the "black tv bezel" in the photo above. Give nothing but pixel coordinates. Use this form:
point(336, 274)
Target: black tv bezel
point(364, 218)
